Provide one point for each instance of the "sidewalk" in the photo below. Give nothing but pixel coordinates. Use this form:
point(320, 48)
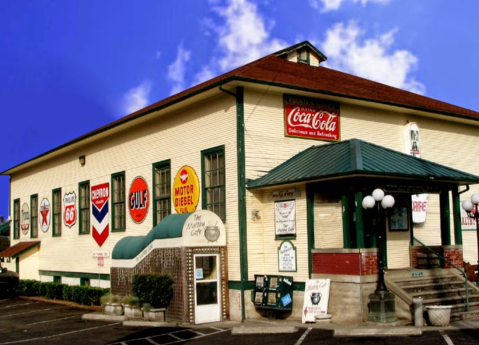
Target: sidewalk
point(265, 326)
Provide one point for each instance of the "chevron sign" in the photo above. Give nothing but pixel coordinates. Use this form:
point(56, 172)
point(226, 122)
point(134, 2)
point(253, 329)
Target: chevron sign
point(99, 201)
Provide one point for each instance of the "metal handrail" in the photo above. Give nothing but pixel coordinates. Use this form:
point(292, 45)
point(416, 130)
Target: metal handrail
point(463, 272)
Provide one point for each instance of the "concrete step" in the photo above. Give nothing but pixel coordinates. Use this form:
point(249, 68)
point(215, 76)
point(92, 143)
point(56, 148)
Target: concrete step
point(431, 294)
point(408, 282)
point(427, 287)
point(450, 300)
point(465, 315)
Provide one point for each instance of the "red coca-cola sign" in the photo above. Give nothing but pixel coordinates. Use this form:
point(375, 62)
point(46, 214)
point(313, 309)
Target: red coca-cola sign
point(311, 118)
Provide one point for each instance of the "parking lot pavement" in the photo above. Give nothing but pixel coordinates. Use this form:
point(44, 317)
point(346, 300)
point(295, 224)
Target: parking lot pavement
point(36, 322)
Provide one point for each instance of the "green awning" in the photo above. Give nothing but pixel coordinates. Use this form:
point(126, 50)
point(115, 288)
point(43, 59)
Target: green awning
point(351, 158)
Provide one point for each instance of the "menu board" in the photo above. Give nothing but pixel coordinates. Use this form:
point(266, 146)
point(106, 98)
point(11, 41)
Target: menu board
point(273, 291)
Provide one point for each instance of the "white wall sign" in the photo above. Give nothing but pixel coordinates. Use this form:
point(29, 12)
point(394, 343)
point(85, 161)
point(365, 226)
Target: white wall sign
point(467, 223)
point(316, 299)
point(25, 224)
point(412, 144)
point(287, 257)
point(285, 217)
point(45, 214)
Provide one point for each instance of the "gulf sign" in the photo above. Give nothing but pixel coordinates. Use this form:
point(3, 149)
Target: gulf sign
point(138, 199)
point(311, 118)
point(186, 190)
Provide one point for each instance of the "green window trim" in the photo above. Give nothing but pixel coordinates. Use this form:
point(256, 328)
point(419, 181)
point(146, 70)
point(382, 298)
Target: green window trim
point(34, 216)
point(84, 208)
point(303, 56)
point(214, 181)
point(118, 200)
point(161, 190)
point(16, 219)
point(57, 212)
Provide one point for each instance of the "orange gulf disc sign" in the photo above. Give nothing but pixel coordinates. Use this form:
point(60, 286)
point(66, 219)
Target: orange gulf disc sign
point(138, 199)
point(186, 190)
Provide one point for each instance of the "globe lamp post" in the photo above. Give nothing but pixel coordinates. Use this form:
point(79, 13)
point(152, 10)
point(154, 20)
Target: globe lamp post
point(381, 305)
point(471, 208)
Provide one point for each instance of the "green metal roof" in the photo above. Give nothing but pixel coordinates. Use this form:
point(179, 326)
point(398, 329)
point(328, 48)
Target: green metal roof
point(170, 227)
point(357, 158)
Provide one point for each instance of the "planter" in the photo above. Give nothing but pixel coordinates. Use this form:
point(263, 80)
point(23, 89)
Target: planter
point(113, 309)
point(132, 312)
point(157, 314)
point(439, 315)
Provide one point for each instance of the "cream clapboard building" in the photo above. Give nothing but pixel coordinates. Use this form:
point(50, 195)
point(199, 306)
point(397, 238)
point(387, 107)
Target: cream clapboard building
point(285, 185)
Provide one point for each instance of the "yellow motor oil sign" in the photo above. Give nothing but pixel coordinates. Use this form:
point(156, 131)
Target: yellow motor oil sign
point(186, 190)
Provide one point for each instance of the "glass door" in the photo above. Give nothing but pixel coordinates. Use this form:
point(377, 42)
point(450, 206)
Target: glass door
point(207, 288)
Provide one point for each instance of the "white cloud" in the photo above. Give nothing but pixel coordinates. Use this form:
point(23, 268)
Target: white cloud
point(370, 58)
point(242, 37)
point(333, 5)
point(137, 97)
point(177, 70)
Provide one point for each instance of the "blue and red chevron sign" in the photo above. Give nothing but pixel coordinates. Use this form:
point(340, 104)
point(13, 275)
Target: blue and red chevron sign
point(99, 201)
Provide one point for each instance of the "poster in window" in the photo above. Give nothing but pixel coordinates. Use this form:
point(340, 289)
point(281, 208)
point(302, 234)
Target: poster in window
point(285, 217)
point(259, 282)
point(398, 220)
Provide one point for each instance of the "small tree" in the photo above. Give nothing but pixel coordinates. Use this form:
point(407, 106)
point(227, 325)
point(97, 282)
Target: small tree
point(153, 288)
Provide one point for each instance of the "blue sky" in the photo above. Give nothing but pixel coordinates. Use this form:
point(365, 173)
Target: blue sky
point(69, 67)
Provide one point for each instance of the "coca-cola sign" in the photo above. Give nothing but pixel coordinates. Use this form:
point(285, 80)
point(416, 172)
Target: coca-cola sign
point(311, 118)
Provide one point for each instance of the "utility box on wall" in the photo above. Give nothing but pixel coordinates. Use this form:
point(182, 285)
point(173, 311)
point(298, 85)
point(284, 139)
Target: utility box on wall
point(273, 292)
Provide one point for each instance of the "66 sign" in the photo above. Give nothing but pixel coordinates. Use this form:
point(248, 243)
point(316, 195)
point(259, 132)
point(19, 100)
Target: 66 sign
point(70, 210)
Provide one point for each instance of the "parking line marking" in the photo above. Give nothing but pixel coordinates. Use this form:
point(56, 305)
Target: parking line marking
point(303, 336)
point(446, 338)
point(54, 320)
point(58, 335)
point(28, 312)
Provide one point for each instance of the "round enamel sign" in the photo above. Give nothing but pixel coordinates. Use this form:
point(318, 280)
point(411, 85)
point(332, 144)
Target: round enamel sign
point(138, 199)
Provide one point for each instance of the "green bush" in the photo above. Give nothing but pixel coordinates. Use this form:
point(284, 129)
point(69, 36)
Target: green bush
point(86, 295)
point(154, 289)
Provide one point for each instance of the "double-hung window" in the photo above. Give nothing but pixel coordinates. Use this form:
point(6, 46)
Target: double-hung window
point(213, 176)
point(57, 212)
point(162, 191)
point(119, 205)
point(34, 216)
point(84, 193)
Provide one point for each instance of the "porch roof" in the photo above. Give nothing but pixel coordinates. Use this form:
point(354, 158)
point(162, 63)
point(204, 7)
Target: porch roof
point(352, 158)
point(18, 249)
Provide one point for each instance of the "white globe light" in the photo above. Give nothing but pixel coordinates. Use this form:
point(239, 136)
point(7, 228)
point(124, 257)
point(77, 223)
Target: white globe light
point(368, 202)
point(378, 194)
point(388, 201)
point(475, 198)
point(467, 206)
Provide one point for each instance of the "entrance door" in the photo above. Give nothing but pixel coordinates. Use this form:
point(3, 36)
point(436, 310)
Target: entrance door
point(207, 288)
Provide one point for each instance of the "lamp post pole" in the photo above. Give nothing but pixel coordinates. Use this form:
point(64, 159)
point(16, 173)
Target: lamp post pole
point(471, 208)
point(382, 308)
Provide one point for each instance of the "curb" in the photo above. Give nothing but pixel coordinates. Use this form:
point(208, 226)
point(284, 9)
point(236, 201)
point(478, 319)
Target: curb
point(263, 330)
point(378, 332)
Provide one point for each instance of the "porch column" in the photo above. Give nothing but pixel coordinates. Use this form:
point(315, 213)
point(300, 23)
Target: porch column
point(456, 213)
point(347, 243)
point(445, 217)
point(358, 202)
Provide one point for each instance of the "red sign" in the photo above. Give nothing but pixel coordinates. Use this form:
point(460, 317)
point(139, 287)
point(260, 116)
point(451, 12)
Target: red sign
point(70, 209)
point(138, 199)
point(311, 118)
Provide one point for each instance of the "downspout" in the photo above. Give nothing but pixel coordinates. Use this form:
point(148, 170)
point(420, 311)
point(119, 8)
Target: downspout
point(240, 148)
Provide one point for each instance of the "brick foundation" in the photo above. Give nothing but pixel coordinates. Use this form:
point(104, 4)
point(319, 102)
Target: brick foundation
point(178, 262)
point(345, 261)
point(452, 253)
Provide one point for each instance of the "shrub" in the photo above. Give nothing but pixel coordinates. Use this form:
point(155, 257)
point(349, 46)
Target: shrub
point(86, 295)
point(154, 289)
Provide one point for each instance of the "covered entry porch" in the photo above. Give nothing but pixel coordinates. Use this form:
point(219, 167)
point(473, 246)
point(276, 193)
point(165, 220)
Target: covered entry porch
point(342, 235)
